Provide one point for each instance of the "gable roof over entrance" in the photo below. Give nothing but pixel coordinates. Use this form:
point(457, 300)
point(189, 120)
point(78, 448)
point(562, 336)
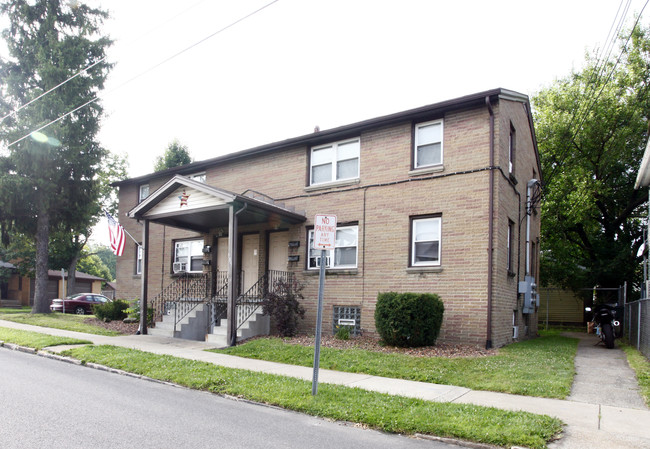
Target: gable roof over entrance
point(189, 204)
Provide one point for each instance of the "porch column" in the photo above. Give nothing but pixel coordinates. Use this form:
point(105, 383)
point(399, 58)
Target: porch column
point(145, 278)
point(231, 335)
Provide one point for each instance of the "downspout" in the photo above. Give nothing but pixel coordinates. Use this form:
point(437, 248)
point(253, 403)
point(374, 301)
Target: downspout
point(488, 341)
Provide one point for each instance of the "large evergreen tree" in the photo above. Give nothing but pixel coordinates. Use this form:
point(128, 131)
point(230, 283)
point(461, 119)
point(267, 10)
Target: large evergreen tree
point(592, 128)
point(50, 175)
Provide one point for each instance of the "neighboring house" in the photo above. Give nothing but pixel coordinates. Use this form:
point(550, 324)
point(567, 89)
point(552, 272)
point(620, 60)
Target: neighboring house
point(20, 289)
point(432, 199)
point(560, 306)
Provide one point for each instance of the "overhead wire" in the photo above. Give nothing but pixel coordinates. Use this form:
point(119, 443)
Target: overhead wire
point(155, 66)
point(593, 96)
point(90, 66)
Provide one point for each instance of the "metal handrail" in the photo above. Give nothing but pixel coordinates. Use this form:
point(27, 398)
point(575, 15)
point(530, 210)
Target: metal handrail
point(251, 301)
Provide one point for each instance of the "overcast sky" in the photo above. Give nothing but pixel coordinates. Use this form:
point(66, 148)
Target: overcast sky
point(298, 64)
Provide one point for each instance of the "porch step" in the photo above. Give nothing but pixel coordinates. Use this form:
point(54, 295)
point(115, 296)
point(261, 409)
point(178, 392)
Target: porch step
point(257, 324)
point(190, 327)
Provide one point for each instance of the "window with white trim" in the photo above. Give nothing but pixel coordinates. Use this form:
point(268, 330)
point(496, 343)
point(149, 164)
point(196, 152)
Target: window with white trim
point(510, 246)
point(188, 256)
point(138, 260)
point(144, 192)
point(512, 140)
point(344, 254)
point(334, 162)
point(425, 241)
point(428, 144)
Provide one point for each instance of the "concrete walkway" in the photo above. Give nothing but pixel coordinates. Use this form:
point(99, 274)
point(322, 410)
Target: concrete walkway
point(603, 411)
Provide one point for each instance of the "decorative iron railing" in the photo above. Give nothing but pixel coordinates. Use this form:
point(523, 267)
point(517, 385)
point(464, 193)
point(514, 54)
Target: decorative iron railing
point(188, 291)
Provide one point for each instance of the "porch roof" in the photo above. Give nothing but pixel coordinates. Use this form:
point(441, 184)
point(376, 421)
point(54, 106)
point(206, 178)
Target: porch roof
point(189, 204)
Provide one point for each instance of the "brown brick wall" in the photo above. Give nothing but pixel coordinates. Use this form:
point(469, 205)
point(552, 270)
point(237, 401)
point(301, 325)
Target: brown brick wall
point(382, 203)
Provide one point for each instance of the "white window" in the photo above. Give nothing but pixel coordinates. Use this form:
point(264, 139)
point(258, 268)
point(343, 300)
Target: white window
point(511, 150)
point(138, 262)
point(425, 241)
point(144, 192)
point(510, 246)
point(200, 177)
point(428, 144)
point(344, 254)
point(188, 256)
point(335, 162)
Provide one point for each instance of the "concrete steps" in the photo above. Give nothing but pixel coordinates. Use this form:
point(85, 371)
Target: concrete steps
point(257, 324)
point(190, 327)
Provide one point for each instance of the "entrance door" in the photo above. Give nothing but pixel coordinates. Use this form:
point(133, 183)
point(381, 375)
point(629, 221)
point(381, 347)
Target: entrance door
point(222, 254)
point(249, 261)
point(279, 251)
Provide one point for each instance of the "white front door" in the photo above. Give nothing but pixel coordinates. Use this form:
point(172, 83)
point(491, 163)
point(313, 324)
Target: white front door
point(249, 261)
point(279, 251)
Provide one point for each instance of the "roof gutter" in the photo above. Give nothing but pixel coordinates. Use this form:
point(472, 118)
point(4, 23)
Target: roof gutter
point(488, 340)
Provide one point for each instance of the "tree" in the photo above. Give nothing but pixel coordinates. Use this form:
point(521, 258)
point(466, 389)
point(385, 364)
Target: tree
point(52, 173)
point(591, 130)
point(175, 156)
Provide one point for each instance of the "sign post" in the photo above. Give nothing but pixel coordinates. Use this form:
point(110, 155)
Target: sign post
point(324, 239)
point(63, 290)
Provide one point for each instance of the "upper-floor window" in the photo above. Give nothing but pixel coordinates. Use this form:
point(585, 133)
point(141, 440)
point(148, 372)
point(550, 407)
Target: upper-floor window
point(511, 150)
point(428, 144)
point(188, 256)
point(425, 241)
point(144, 192)
point(344, 254)
point(335, 162)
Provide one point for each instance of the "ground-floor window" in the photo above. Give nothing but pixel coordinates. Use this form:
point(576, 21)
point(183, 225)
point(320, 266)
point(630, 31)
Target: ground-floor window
point(345, 253)
point(188, 256)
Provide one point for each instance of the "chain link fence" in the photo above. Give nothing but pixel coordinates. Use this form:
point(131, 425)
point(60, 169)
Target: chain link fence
point(637, 325)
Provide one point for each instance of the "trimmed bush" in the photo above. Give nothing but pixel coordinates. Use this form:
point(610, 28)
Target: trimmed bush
point(133, 313)
point(111, 310)
point(408, 319)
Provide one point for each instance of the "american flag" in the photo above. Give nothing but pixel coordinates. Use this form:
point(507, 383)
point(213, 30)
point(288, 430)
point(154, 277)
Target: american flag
point(115, 235)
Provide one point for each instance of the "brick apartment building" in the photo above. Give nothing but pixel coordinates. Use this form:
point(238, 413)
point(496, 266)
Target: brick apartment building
point(436, 199)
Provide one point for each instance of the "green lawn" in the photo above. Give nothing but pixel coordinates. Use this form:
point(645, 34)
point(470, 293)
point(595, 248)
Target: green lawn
point(36, 340)
point(380, 411)
point(55, 320)
point(641, 366)
point(541, 367)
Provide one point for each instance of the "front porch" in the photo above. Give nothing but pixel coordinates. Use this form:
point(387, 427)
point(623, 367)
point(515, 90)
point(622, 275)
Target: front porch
point(220, 299)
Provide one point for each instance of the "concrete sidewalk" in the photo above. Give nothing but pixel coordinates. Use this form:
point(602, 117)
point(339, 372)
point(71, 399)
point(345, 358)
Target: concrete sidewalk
point(604, 409)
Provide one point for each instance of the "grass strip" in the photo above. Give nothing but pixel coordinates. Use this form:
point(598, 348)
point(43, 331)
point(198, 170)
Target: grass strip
point(641, 367)
point(36, 340)
point(380, 411)
point(541, 367)
point(68, 322)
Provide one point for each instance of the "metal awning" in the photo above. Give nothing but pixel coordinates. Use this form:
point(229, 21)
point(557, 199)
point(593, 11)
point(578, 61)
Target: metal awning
point(189, 204)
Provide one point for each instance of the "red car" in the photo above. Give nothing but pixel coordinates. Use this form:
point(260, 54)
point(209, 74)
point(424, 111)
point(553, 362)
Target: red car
point(81, 303)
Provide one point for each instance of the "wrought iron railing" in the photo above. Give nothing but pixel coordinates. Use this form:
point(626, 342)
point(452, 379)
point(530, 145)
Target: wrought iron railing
point(252, 300)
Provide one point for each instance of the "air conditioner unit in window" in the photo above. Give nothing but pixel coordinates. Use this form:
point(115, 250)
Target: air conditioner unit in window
point(179, 267)
point(327, 261)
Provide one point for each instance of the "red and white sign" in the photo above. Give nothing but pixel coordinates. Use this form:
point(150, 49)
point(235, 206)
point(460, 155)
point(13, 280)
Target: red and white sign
point(324, 231)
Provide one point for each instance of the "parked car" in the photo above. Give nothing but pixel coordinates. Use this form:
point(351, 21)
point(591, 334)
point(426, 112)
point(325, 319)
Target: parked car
point(81, 303)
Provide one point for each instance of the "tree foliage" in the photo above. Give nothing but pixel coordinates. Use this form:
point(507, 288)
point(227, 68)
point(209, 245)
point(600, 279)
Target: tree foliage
point(175, 156)
point(49, 179)
point(592, 128)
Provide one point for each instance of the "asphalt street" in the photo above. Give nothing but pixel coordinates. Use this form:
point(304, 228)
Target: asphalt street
point(45, 403)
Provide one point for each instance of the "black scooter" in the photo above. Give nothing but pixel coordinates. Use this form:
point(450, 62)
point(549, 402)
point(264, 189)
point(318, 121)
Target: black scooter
point(605, 322)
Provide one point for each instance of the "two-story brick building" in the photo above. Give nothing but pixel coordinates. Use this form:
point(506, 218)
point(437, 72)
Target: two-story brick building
point(436, 199)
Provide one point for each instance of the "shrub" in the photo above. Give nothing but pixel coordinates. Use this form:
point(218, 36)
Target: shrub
point(111, 310)
point(283, 305)
point(408, 319)
point(343, 333)
point(133, 313)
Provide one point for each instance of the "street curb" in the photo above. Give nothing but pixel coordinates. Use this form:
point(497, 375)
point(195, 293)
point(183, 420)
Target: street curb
point(53, 356)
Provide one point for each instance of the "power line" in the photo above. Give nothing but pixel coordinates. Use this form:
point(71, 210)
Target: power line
point(85, 70)
point(155, 66)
